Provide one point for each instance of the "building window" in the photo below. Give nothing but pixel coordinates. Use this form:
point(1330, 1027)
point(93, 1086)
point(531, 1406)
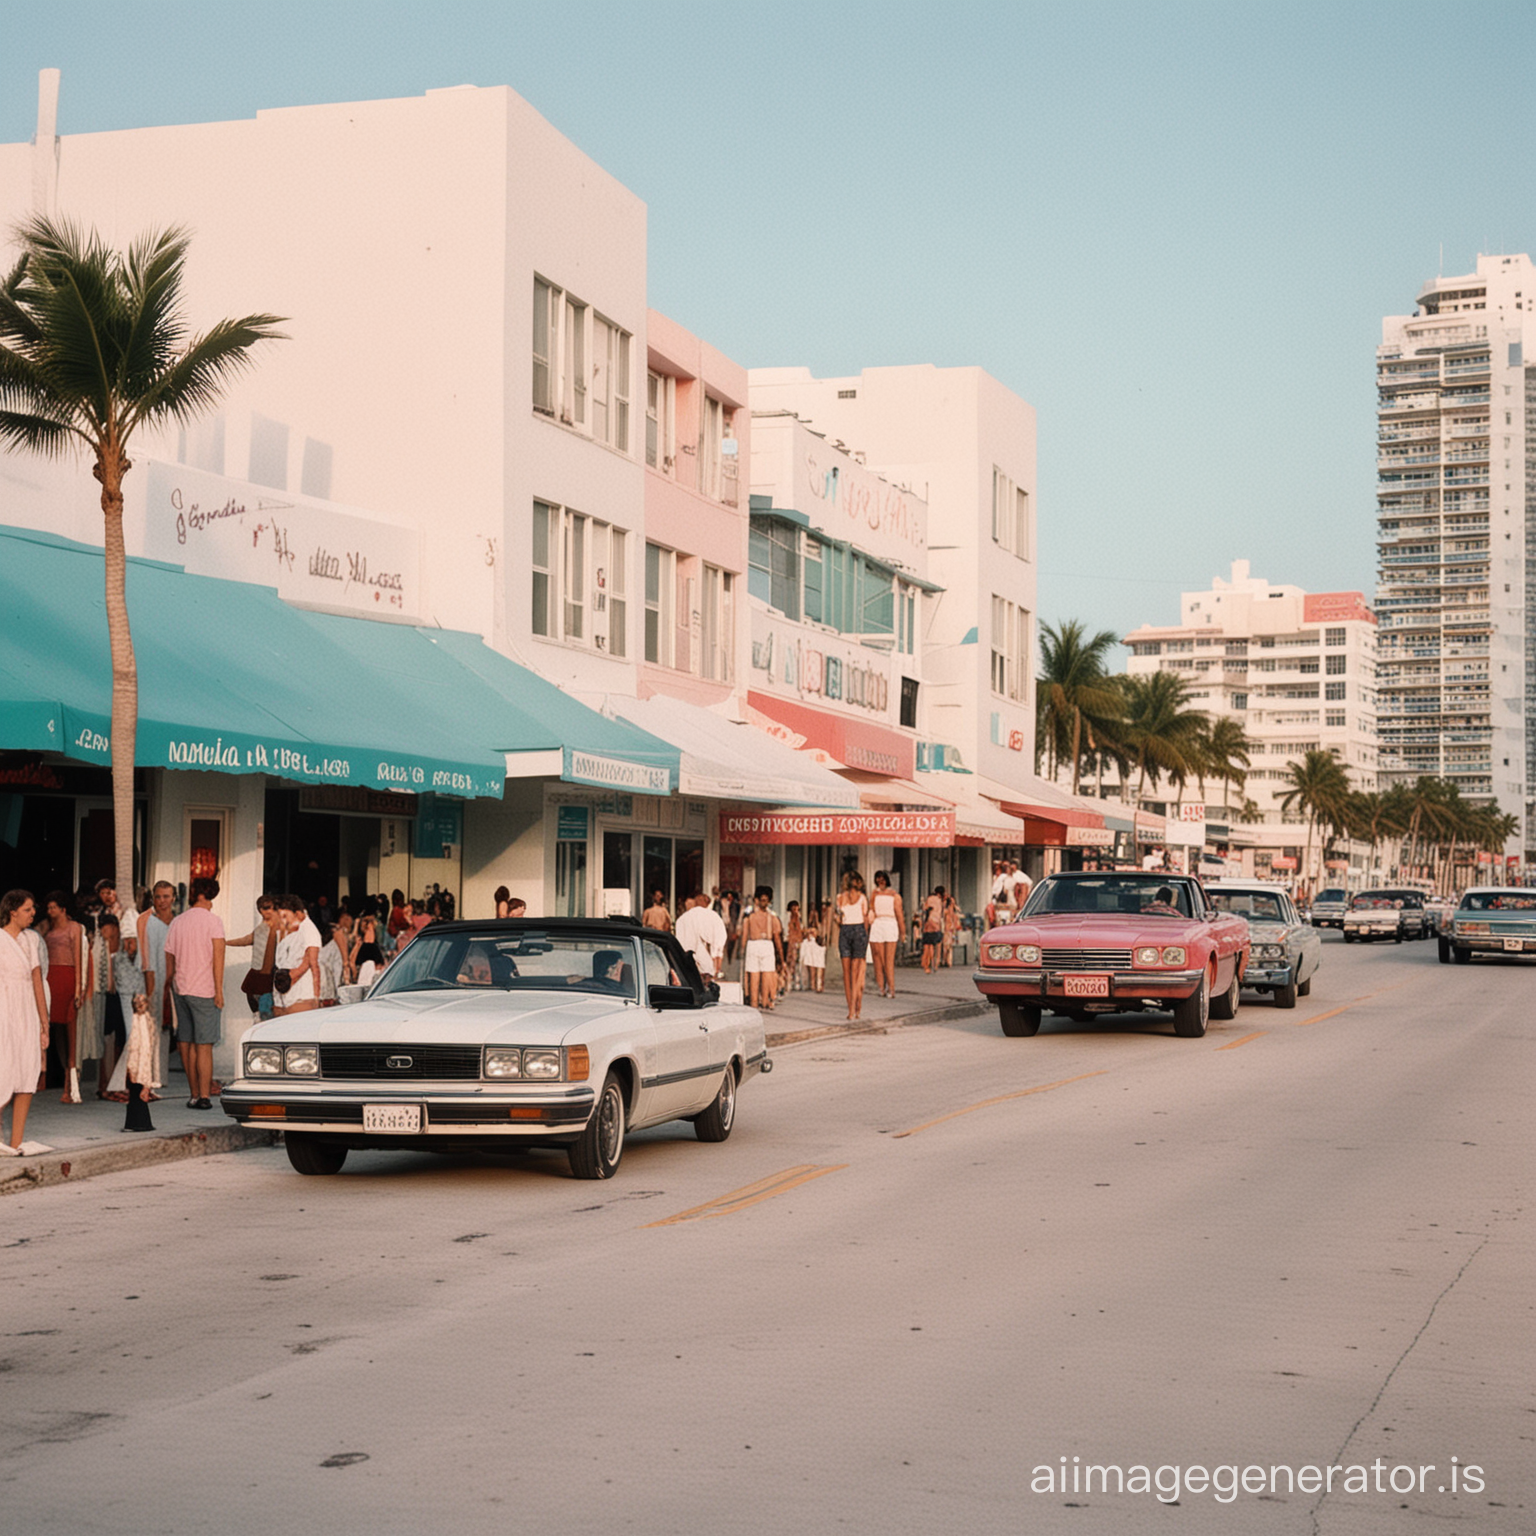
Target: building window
point(1337, 665)
point(660, 587)
point(653, 402)
point(1010, 515)
point(909, 703)
point(583, 561)
point(610, 384)
point(1010, 649)
point(815, 575)
point(773, 566)
point(1333, 690)
point(1336, 637)
point(719, 623)
point(1239, 701)
point(565, 335)
point(1333, 717)
point(711, 434)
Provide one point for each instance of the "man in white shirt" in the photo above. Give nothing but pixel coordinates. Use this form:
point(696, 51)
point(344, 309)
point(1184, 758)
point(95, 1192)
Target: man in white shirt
point(701, 931)
point(1022, 885)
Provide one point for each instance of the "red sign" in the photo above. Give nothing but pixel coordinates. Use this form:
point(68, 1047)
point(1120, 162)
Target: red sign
point(893, 829)
point(854, 743)
point(1282, 861)
point(1335, 608)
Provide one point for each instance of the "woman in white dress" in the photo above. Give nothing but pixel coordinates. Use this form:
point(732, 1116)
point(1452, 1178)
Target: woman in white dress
point(23, 1019)
point(885, 933)
point(298, 953)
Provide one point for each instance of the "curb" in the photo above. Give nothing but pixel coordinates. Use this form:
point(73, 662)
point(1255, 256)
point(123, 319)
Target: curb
point(873, 1026)
point(70, 1167)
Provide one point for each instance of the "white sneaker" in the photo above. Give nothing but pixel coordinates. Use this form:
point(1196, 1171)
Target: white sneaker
point(7, 1150)
point(33, 1148)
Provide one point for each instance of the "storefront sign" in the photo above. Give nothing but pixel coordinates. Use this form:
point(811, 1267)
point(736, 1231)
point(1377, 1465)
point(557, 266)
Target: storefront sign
point(892, 829)
point(1090, 837)
point(354, 800)
point(615, 773)
point(571, 823)
point(439, 828)
point(315, 554)
point(797, 662)
point(1282, 861)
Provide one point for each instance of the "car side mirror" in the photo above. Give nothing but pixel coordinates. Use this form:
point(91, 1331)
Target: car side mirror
point(663, 997)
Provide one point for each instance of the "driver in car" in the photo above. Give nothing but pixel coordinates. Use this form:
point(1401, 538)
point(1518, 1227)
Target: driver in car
point(1161, 904)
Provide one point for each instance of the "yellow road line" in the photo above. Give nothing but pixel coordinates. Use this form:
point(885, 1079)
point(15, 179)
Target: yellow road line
point(740, 1199)
point(1365, 997)
point(1002, 1098)
point(1232, 1045)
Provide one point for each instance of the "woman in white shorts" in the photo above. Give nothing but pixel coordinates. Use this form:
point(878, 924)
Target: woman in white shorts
point(885, 933)
point(760, 928)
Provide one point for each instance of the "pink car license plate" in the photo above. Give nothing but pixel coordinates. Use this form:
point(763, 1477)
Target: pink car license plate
point(1085, 986)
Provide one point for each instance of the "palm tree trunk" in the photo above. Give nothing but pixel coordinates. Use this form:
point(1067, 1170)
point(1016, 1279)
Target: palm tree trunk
point(111, 465)
point(1077, 746)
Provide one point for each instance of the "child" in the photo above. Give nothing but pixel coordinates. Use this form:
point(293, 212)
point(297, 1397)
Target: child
point(142, 1057)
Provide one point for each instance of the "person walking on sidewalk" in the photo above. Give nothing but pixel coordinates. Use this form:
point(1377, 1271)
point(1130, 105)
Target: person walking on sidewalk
point(765, 944)
point(194, 969)
point(23, 1020)
point(885, 932)
point(150, 929)
point(65, 939)
point(701, 931)
point(853, 939)
point(933, 929)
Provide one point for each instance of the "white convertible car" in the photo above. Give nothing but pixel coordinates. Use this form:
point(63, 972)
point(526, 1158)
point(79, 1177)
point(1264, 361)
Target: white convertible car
point(498, 1036)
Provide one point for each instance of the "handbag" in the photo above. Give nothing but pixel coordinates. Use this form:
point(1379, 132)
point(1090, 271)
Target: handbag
point(282, 981)
point(258, 982)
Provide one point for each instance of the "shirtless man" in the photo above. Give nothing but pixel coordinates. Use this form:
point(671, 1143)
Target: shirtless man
point(656, 915)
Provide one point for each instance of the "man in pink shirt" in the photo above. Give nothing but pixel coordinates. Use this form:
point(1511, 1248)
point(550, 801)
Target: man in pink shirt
point(194, 967)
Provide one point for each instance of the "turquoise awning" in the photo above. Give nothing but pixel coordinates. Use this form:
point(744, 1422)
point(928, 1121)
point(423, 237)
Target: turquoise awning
point(233, 680)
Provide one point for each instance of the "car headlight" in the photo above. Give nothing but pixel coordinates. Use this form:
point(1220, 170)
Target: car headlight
point(1471, 927)
point(1028, 953)
point(1269, 951)
point(541, 1064)
point(999, 951)
point(502, 1061)
point(1148, 954)
point(301, 1060)
point(263, 1060)
point(1174, 955)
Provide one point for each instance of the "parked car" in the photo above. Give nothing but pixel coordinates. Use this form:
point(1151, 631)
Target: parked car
point(505, 1035)
point(1490, 920)
point(1286, 951)
point(1329, 906)
point(1088, 944)
point(1386, 914)
point(1437, 913)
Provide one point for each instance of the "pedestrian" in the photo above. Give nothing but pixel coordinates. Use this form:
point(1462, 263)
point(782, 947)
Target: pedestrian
point(853, 939)
point(194, 975)
point(143, 1066)
point(65, 939)
point(114, 1028)
point(332, 962)
point(813, 948)
point(764, 938)
point(952, 924)
point(701, 931)
point(298, 959)
point(656, 915)
point(885, 930)
point(23, 1020)
point(366, 951)
point(730, 913)
point(933, 929)
point(1022, 886)
point(794, 937)
point(262, 943)
point(152, 927)
point(399, 918)
point(503, 900)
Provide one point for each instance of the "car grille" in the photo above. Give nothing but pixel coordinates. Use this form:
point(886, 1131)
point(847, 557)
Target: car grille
point(372, 1061)
point(1087, 959)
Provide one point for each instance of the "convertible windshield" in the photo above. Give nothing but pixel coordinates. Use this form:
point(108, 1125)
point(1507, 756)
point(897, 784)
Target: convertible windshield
point(510, 963)
point(1499, 901)
point(1262, 906)
point(1136, 895)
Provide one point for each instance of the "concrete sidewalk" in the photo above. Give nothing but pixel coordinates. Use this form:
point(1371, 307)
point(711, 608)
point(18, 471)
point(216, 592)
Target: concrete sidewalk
point(87, 1139)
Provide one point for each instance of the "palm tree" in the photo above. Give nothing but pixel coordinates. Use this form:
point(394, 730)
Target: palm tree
point(93, 346)
point(1159, 733)
point(1074, 693)
point(1371, 816)
point(1320, 789)
point(1223, 755)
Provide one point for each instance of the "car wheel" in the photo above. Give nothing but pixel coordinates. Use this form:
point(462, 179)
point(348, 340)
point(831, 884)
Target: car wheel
point(1304, 989)
point(1397, 938)
point(309, 1154)
point(1349, 938)
point(1019, 1020)
point(1462, 954)
point(1285, 997)
point(1191, 1014)
point(596, 1152)
point(1445, 952)
point(716, 1121)
point(1225, 1006)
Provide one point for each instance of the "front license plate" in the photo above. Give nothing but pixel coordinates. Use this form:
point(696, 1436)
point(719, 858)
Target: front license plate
point(1515, 944)
point(392, 1119)
point(1085, 986)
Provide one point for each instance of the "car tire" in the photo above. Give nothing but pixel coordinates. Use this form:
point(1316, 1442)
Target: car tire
point(596, 1153)
point(716, 1121)
point(1191, 1014)
point(1225, 1006)
point(1304, 988)
point(309, 1154)
point(1349, 938)
point(1397, 938)
point(1463, 955)
point(1285, 997)
point(1019, 1020)
point(1445, 952)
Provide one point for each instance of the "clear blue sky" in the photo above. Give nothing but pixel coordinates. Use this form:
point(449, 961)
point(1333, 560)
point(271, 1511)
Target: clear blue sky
point(1172, 228)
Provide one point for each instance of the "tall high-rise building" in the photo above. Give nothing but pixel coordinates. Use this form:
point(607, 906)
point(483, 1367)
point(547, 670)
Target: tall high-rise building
point(1456, 534)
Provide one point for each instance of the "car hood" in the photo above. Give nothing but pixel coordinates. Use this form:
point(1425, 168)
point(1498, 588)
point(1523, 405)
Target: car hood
point(1271, 933)
point(444, 1018)
point(1090, 930)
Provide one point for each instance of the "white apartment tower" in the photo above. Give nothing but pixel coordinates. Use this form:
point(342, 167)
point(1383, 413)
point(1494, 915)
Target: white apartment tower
point(1297, 670)
point(1456, 532)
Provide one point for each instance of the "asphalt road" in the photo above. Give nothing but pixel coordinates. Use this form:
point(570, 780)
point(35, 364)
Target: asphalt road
point(953, 1268)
